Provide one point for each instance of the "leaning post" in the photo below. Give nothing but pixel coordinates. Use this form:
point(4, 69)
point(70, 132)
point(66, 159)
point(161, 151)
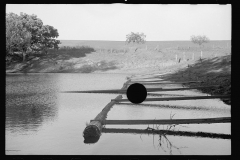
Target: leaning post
point(94, 129)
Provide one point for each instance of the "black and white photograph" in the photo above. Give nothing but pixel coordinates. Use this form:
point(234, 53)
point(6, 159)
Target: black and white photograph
point(118, 79)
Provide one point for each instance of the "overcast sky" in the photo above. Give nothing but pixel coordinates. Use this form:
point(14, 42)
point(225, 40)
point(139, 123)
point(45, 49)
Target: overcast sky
point(115, 21)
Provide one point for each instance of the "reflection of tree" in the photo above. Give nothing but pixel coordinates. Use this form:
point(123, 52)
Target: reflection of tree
point(163, 142)
point(23, 114)
point(162, 137)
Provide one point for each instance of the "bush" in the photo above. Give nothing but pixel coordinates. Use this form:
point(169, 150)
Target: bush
point(78, 50)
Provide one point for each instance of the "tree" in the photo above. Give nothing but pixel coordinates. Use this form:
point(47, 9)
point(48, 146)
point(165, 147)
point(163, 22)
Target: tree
point(42, 35)
point(17, 37)
point(135, 38)
point(27, 33)
point(199, 39)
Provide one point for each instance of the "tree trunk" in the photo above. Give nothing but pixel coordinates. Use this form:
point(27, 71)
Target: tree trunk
point(24, 55)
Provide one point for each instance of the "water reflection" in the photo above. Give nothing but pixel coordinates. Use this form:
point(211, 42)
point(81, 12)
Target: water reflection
point(30, 102)
point(168, 106)
point(168, 132)
point(176, 107)
point(163, 141)
point(91, 140)
point(42, 121)
point(28, 116)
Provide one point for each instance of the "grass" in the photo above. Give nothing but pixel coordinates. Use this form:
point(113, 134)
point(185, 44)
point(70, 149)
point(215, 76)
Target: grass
point(71, 52)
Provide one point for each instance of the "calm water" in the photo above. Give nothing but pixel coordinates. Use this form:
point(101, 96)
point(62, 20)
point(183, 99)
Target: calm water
point(40, 120)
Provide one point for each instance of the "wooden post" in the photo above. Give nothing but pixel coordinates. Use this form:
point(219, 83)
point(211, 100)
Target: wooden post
point(183, 56)
point(23, 55)
point(148, 90)
point(193, 56)
point(95, 127)
point(165, 82)
point(156, 83)
point(169, 121)
point(179, 98)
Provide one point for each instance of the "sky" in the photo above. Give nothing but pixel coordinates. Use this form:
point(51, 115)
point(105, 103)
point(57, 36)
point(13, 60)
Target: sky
point(114, 21)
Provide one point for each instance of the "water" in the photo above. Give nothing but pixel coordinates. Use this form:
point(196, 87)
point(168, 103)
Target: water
point(42, 121)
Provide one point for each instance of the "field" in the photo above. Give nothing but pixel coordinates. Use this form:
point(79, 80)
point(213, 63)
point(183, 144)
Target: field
point(115, 56)
point(150, 44)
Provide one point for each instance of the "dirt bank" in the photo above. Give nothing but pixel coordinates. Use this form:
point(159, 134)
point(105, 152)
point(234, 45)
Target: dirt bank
point(213, 71)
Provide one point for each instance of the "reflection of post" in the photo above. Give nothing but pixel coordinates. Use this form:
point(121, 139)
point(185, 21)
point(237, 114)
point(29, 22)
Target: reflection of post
point(167, 132)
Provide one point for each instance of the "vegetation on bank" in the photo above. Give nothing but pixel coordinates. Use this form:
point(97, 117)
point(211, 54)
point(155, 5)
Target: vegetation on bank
point(26, 35)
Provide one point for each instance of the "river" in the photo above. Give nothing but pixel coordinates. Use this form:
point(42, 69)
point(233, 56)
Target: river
point(40, 120)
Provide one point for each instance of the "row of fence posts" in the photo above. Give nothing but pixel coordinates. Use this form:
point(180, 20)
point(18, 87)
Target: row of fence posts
point(193, 56)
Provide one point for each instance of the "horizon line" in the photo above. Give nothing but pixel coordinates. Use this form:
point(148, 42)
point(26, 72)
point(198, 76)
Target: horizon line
point(124, 41)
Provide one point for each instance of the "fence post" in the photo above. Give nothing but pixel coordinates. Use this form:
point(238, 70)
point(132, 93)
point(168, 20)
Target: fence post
point(184, 56)
point(193, 56)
